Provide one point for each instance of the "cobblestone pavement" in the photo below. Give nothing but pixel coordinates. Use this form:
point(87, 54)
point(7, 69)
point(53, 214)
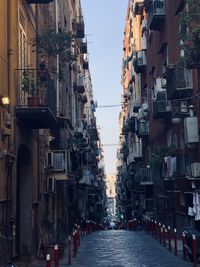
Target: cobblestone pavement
point(124, 249)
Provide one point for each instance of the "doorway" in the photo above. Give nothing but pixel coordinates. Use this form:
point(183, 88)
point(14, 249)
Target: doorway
point(24, 202)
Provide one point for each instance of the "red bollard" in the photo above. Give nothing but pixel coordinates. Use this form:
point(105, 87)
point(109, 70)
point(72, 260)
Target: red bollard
point(164, 240)
point(86, 227)
point(175, 243)
point(56, 256)
point(160, 233)
point(79, 236)
point(194, 250)
point(69, 250)
point(152, 228)
point(149, 227)
point(77, 241)
point(145, 224)
point(169, 238)
point(48, 260)
point(135, 224)
point(156, 228)
point(183, 241)
point(74, 243)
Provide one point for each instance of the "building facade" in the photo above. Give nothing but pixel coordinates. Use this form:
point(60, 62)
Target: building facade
point(111, 194)
point(158, 155)
point(50, 171)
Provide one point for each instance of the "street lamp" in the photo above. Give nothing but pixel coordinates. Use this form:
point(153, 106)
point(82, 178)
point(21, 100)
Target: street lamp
point(5, 100)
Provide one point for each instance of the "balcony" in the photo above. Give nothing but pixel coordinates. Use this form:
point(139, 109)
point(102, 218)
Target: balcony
point(131, 124)
point(143, 176)
point(143, 128)
point(85, 65)
point(93, 132)
point(39, 1)
point(79, 84)
point(137, 150)
point(156, 14)
point(179, 83)
point(83, 48)
point(136, 105)
point(36, 99)
point(138, 7)
point(80, 28)
point(161, 109)
point(140, 62)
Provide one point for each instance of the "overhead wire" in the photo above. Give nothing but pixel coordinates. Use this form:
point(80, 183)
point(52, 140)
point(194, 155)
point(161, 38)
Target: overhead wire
point(151, 100)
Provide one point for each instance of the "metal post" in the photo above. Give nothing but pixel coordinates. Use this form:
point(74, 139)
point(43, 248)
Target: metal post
point(183, 242)
point(194, 250)
point(74, 243)
point(56, 256)
point(48, 260)
point(156, 228)
point(169, 238)
point(69, 250)
point(160, 235)
point(175, 243)
point(164, 240)
point(79, 236)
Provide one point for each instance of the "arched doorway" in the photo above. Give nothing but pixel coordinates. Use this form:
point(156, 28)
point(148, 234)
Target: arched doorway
point(24, 202)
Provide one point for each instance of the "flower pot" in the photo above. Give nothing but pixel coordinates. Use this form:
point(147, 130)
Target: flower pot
point(34, 101)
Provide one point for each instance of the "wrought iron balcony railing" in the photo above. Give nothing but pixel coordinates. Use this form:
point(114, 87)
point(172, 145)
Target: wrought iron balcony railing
point(143, 128)
point(156, 14)
point(140, 61)
point(80, 28)
point(36, 99)
point(179, 83)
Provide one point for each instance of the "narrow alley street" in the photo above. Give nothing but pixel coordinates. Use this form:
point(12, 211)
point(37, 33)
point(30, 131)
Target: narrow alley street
point(123, 249)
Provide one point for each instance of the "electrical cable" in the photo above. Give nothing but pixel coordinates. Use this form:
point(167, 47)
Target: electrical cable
point(157, 101)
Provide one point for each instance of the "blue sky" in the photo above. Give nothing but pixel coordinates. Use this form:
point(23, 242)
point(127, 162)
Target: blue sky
point(104, 27)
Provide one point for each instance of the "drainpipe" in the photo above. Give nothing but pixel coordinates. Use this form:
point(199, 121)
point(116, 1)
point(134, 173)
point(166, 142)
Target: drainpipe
point(57, 65)
point(11, 94)
point(57, 114)
point(11, 16)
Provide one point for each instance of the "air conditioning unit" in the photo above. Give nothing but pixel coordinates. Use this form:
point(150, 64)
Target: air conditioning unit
point(195, 169)
point(51, 185)
point(55, 160)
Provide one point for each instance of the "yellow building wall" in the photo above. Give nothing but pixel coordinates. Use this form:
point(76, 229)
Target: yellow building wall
point(3, 48)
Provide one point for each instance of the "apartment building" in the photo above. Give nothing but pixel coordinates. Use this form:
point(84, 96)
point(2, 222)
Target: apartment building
point(49, 143)
point(160, 148)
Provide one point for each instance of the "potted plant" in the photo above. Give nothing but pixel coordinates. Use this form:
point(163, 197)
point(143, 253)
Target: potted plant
point(29, 86)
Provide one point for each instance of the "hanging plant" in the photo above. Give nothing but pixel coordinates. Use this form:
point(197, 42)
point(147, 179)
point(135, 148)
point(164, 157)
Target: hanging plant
point(189, 33)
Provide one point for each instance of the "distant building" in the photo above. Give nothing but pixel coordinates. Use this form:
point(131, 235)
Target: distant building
point(110, 192)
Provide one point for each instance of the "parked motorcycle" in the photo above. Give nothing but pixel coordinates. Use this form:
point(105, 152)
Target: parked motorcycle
point(189, 232)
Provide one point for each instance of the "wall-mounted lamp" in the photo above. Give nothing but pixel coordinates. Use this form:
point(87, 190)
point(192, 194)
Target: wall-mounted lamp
point(5, 100)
